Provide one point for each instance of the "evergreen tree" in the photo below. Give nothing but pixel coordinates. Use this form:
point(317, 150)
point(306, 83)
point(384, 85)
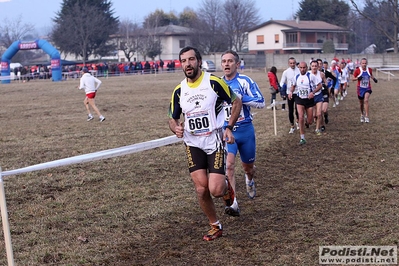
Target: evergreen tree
point(83, 28)
point(331, 11)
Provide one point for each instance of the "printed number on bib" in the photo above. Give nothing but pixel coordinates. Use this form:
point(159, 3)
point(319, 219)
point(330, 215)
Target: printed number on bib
point(198, 123)
point(227, 111)
point(364, 83)
point(303, 93)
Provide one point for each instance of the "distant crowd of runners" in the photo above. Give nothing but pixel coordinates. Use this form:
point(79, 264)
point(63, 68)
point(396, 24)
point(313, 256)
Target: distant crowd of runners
point(308, 89)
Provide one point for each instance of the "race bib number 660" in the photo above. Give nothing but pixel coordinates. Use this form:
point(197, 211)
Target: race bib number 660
point(198, 123)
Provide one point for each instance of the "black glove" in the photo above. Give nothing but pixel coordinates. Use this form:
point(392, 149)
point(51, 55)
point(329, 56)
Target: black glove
point(360, 78)
point(375, 80)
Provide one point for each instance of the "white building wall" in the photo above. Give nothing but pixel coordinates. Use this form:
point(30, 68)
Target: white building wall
point(269, 41)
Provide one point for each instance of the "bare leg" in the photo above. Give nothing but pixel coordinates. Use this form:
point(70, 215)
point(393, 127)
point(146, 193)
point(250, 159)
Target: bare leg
point(86, 103)
point(204, 187)
point(366, 103)
point(309, 114)
point(93, 105)
point(318, 115)
point(230, 169)
point(249, 170)
point(301, 119)
point(361, 103)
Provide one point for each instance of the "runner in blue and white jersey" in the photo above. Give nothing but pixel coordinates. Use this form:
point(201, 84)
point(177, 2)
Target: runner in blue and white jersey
point(318, 96)
point(244, 133)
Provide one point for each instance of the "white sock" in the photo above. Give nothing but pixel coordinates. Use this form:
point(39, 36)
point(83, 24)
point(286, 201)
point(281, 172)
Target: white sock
point(246, 179)
point(235, 204)
point(216, 223)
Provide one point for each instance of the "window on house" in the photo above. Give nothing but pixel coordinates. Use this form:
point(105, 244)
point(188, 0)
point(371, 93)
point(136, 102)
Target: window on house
point(260, 52)
point(182, 43)
point(292, 38)
point(260, 39)
point(276, 38)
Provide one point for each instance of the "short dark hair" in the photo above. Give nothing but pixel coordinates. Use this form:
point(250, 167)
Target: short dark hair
point(234, 53)
point(188, 48)
point(85, 70)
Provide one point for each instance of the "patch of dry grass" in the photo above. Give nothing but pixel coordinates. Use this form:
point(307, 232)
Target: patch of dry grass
point(339, 189)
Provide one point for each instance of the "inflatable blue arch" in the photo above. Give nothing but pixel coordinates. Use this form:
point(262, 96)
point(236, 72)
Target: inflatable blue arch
point(56, 68)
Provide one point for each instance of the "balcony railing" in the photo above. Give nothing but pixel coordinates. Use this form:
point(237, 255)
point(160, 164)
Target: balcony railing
point(303, 45)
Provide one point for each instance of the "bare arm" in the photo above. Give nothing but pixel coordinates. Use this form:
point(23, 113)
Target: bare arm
point(176, 127)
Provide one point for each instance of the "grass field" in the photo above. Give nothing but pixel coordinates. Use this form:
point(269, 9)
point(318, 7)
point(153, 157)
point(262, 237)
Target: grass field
point(340, 188)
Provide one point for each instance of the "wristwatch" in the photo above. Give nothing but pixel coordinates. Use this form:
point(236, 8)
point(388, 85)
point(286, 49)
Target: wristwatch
point(230, 127)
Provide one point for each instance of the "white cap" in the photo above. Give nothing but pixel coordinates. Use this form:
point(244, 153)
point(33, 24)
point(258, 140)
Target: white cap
point(333, 62)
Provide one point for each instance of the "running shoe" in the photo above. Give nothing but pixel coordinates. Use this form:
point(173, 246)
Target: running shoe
point(334, 105)
point(251, 189)
point(90, 117)
point(229, 195)
point(215, 232)
point(102, 119)
point(361, 119)
point(292, 130)
point(337, 102)
point(302, 142)
point(231, 211)
point(317, 131)
point(323, 128)
point(366, 119)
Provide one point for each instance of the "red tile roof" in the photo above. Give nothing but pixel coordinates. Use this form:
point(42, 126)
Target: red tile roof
point(304, 25)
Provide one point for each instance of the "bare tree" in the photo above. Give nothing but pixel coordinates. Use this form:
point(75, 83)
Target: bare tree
point(14, 30)
point(386, 20)
point(152, 46)
point(209, 35)
point(239, 16)
point(131, 38)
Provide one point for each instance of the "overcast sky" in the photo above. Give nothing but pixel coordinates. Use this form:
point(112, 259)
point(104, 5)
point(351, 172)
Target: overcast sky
point(40, 12)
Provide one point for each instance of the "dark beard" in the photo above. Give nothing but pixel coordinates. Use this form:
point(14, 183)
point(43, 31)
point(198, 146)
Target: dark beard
point(193, 75)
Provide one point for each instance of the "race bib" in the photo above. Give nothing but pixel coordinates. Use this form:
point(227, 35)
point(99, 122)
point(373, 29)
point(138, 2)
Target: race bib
point(303, 94)
point(198, 123)
point(227, 112)
point(364, 83)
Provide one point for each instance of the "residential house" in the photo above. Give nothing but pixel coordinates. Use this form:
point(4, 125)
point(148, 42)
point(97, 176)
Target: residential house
point(295, 36)
point(173, 38)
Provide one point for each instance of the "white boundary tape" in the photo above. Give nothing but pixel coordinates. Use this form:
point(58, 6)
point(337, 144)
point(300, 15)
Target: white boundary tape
point(5, 77)
point(95, 156)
